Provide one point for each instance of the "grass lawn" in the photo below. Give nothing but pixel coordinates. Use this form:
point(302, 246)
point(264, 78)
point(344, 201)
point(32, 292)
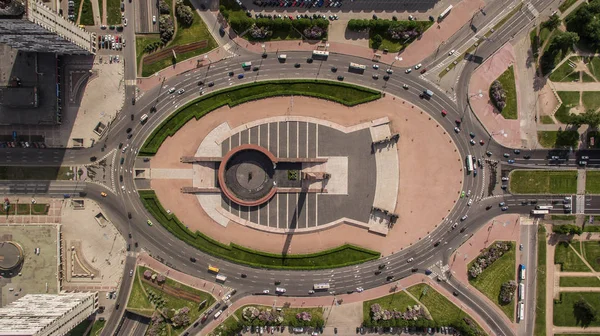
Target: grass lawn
point(560, 74)
point(579, 282)
point(398, 300)
point(543, 182)
point(545, 34)
point(563, 217)
point(563, 311)
point(140, 44)
point(80, 329)
point(591, 253)
point(594, 66)
point(197, 31)
point(97, 328)
point(507, 79)
point(231, 326)
point(76, 4)
point(591, 100)
point(569, 261)
point(591, 228)
point(540, 288)
point(113, 12)
point(547, 120)
point(565, 5)
point(441, 309)
point(101, 9)
point(138, 299)
point(587, 78)
point(35, 173)
point(569, 99)
point(558, 139)
point(394, 45)
point(490, 281)
point(87, 14)
point(592, 182)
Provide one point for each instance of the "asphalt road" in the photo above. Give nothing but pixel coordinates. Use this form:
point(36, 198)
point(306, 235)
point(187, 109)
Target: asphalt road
point(161, 244)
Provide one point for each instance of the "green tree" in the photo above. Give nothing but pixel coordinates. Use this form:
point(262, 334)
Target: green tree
point(584, 312)
point(553, 22)
point(567, 229)
point(376, 41)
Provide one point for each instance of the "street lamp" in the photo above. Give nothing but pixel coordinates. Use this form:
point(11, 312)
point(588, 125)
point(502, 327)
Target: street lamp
point(396, 58)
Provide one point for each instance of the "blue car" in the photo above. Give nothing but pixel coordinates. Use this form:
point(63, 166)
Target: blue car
point(511, 161)
point(240, 76)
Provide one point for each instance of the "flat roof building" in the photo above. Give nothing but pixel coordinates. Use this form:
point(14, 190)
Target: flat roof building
point(29, 25)
point(46, 314)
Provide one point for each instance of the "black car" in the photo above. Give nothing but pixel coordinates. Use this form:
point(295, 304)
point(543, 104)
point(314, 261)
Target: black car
point(128, 130)
point(462, 230)
point(297, 65)
point(350, 292)
point(386, 77)
point(488, 207)
point(390, 278)
point(333, 69)
point(414, 270)
point(455, 293)
point(230, 73)
point(264, 55)
point(436, 244)
point(120, 145)
point(129, 234)
point(202, 6)
point(128, 247)
point(377, 272)
point(117, 306)
point(93, 158)
point(120, 178)
point(243, 275)
point(132, 101)
point(517, 151)
point(340, 78)
point(211, 84)
point(309, 60)
point(129, 136)
point(192, 259)
point(217, 305)
point(136, 244)
point(335, 330)
point(129, 216)
point(382, 266)
point(200, 83)
point(527, 157)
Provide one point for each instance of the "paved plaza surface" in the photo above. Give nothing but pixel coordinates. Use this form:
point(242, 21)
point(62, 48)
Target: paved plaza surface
point(422, 144)
point(506, 132)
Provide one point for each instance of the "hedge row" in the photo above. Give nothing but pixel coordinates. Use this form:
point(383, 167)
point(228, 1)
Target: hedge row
point(346, 94)
point(344, 255)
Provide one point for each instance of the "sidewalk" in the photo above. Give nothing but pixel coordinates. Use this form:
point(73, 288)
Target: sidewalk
point(328, 301)
point(214, 289)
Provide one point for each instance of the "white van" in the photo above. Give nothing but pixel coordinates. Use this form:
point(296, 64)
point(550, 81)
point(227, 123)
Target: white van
point(144, 118)
point(282, 57)
point(218, 314)
point(280, 290)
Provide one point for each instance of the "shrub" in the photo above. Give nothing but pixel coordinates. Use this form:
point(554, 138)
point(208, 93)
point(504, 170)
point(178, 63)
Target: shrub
point(568, 229)
point(498, 95)
point(313, 32)
point(163, 7)
point(184, 13)
point(147, 274)
point(485, 259)
point(507, 291)
point(411, 313)
point(377, 39)
point(160, 278)
point(260, 32)
point(166, 28)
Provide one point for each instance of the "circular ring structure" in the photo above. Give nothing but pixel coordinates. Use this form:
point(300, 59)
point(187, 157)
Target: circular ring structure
point(11, 255)
point(246, 175)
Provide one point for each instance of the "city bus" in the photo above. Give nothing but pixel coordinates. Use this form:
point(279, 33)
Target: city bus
point(319, 54)
point(539, 212)
point(213, 269)
point(221, 278)
point(445, 13)
point(321, 286)
point(469, 163)
point(544, 207)
point(357, 67)
point(521, 311)
point(522, 271)
point(521, 291)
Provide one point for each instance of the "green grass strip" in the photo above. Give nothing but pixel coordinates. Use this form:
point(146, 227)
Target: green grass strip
point(539, 328)
point(579, 282)
point(592, 182)
point(344, 255)
point(346, 94)
point(543, 182)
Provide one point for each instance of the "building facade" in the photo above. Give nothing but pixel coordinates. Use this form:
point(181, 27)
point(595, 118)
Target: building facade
point(46, 314)
point(31, 26)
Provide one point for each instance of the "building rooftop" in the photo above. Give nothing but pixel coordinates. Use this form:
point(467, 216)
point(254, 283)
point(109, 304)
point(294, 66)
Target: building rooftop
point(12, 8)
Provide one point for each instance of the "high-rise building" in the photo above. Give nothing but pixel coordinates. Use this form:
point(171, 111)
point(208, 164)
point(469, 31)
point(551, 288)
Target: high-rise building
point(31, 26)
point(46, 314)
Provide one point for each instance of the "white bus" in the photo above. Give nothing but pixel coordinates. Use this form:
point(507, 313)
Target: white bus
point(221, 278)
point(469, 163)
point(521, 311)
point(144, 118)
point(319, 54)
point(539, 212)
point(445, 13)
point(357, 67)
point(321, 286)
point(522, 271)
point(544, 207)
point(521, 291)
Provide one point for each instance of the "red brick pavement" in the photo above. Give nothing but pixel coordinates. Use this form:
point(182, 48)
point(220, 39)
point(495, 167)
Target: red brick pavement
point(325, 301)
point(504, 227)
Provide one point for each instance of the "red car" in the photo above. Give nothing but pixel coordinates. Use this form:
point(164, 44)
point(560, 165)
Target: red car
point(481, 142)
point(444, 113)
point(458, 121)
point(423, 71)
point(291, 18)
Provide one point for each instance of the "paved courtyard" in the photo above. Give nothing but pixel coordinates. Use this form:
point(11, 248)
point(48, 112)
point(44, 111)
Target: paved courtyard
point(422, 144)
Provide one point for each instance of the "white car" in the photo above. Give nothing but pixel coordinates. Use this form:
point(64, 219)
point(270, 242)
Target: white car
point(171, 90)
point(310, 291)
point(390, 71)
point(456, 129)
point(227, 297)
point(131, 273)
point(408, 70)
point(469, 192)
point(451, 52)
point(125, 22)
point(504, 178)
point(123, 187)
point(410, 260)
point(359, 289)
point(375, 66)
point(470, 202)
point(472, 142)
point(181, 91)
point(266, 291)
point(153, 19)
point(418, 66)
point(454, 225)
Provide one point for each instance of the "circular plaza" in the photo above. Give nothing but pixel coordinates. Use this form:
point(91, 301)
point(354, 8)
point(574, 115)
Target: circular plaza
point(301, 175)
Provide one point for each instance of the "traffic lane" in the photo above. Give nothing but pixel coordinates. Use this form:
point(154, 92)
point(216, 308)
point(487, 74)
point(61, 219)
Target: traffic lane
point(529, 258)
point(592, 205)
point(121, 301)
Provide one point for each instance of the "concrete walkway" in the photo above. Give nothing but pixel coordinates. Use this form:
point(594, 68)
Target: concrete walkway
point(576, 86)
point(550, 248)
point(566, 330)
point(329, 302)
point(96, 11)
point(579, 289)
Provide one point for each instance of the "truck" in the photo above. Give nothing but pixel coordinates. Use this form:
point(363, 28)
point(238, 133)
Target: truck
point(282, 57)
point(221, 278)
point(426, 94)
point(246, 65)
